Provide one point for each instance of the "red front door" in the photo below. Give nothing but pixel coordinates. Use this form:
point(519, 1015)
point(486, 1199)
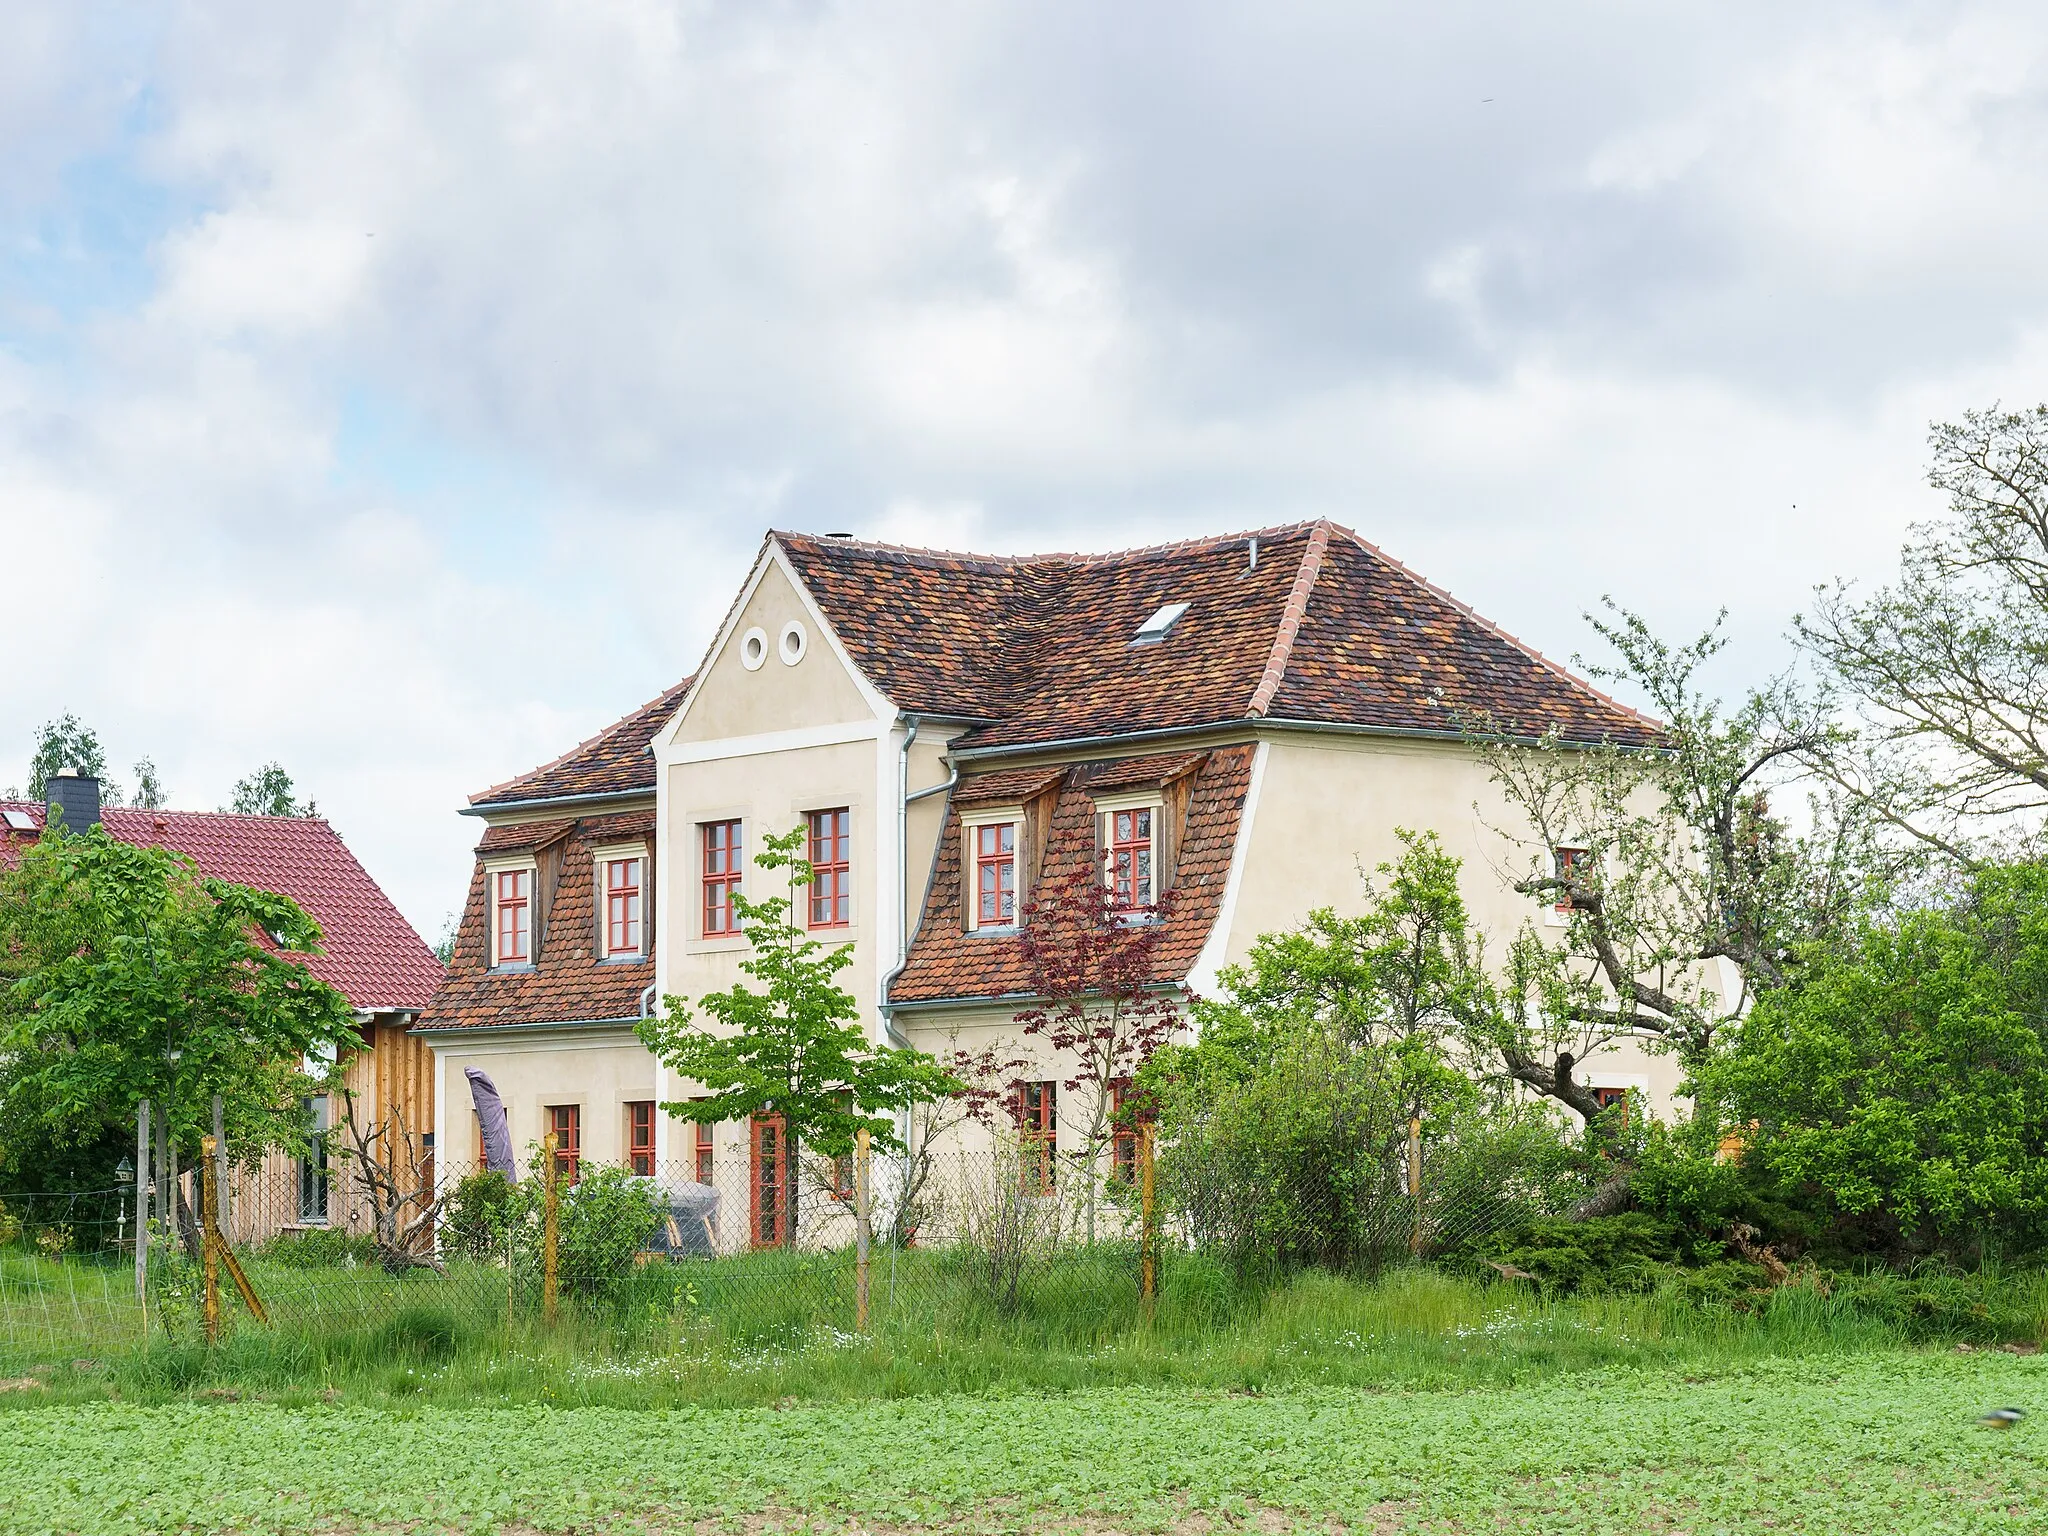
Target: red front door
point(768, 1183)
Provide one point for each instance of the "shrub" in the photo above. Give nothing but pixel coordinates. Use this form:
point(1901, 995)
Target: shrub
point(1630, 1252)
point(481, 1212)
point(603, 1223)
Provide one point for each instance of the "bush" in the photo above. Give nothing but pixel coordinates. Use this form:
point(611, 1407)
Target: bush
point(481, 1211)
point(602, 1224)
point(1630, 1252)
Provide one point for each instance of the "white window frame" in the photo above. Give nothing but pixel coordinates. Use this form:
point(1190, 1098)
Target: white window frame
point(971, 822)
point(492, 869)
point(601, 861)
point(1106, 806)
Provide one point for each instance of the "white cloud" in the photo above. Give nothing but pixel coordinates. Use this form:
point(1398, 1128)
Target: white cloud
point(406, 387)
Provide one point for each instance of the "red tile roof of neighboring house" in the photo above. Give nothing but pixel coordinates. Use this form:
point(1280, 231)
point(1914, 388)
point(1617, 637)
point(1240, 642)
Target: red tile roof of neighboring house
point(567, 982)
point(371, 952)
point(947, 961)
point(614, 761)
point(1324, 629)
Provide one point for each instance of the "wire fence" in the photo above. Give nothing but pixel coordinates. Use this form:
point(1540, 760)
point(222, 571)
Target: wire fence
point(724, 1251)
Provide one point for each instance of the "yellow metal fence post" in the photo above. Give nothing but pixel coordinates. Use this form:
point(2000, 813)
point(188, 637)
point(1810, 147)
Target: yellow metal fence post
point(550, 1229)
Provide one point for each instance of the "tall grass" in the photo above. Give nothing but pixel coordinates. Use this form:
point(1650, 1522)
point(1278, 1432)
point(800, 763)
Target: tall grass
point(778, 1325)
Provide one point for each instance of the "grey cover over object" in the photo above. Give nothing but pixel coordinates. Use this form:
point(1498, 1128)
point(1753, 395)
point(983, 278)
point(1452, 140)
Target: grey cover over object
point(690, 1231)
point(490, 1114)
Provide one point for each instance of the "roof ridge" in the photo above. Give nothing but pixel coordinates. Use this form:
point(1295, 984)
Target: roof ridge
point(1291, 615)
point(1499, 633)
point(553, 763)
point(1055, 557)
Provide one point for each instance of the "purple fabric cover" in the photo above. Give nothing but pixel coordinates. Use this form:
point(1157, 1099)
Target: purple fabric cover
point(490, 1114)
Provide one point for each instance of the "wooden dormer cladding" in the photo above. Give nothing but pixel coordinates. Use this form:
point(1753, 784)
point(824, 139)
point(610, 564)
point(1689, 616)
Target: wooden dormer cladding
point(547, 880)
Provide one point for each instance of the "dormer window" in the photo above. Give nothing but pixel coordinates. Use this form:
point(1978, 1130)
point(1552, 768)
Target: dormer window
point(623, 881)
point(995, 875)
point(1129, 857)
point(1156, 628)
point(512, 916)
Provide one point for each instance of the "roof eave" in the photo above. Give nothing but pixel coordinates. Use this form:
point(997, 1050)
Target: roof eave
point(1263, 723)
point(557, 801)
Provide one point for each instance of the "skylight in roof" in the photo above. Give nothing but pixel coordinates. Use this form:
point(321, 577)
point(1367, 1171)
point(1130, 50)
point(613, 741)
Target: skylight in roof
point(1156, 628)
point(21, 821)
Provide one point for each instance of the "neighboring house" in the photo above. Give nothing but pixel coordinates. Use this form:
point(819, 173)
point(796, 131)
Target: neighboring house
point(368, 951)
point(1244, 721)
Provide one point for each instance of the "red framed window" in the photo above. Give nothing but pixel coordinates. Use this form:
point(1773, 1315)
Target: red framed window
point(1037, 1134)
point(1123, 1136)
point(995, 875)
point(1567, 862)
point(515, 926)
point(721, 876)
point(831, 870)
point(566, 1121)
point(622, 906)
point(706, 1148)
point(1607, 1098)
point(768, 1183)
point(640, 1137)
point(1130, 858)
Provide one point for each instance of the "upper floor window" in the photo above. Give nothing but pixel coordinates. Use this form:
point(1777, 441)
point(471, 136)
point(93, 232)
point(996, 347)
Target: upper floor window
point(513, 922)
point(995, 874)
point(1130, 857)
point(831, 869)
point(721, 877)
point(1566, 864)
point(622, 879)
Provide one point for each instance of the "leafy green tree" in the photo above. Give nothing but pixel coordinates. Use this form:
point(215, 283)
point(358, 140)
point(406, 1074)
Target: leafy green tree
point(66, 743)
point(268, 792)
point(794, 1048)
point(124, 975)
point(150, 794)
point(1905, 1078)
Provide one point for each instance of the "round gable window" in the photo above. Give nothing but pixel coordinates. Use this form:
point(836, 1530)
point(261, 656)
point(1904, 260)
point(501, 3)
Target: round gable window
point(754, 648)
point(794, 639)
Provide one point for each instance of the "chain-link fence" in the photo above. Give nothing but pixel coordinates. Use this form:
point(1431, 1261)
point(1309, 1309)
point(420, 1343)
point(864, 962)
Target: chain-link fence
point(731, 1251)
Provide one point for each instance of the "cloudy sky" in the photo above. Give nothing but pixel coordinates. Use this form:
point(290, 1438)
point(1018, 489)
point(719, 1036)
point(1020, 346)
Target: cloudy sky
point(399, 391)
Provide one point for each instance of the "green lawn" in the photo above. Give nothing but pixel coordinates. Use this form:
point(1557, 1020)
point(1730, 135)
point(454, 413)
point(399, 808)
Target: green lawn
point(1874, 1441)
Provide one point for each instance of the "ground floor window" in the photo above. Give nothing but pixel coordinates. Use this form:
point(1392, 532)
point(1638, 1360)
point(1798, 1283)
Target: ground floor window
point(1037, 1135)
point(768, 1183)
point(566, 1121)
point(313, 1166)
point(706, 1148)
point(640, 1137)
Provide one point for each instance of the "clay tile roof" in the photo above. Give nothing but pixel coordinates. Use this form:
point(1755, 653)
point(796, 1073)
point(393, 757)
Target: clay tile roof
point(615, 761)
point(948, 962)
point(1137, 772)
point(1324, 629)
point(523, 835)
point(1011, 787)
point(370, 951)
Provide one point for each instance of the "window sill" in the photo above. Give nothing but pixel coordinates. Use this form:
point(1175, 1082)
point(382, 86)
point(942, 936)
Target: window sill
point(996, 931)
point(1135, 919)
point(519, 968)
point(635, 959)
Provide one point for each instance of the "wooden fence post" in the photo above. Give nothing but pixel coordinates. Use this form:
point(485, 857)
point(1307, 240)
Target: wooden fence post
point(144, 1185)
point(1148, 1219)
point(550, 1230)
point(224, 1213)
point(861, 1210)
point(1415, 1182)
point(209, 1239)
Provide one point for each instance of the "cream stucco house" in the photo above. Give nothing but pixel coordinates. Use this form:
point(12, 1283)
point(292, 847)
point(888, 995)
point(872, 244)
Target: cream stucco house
point(1244, 721)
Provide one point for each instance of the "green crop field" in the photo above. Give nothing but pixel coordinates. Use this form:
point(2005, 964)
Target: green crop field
point(1876, 1441)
